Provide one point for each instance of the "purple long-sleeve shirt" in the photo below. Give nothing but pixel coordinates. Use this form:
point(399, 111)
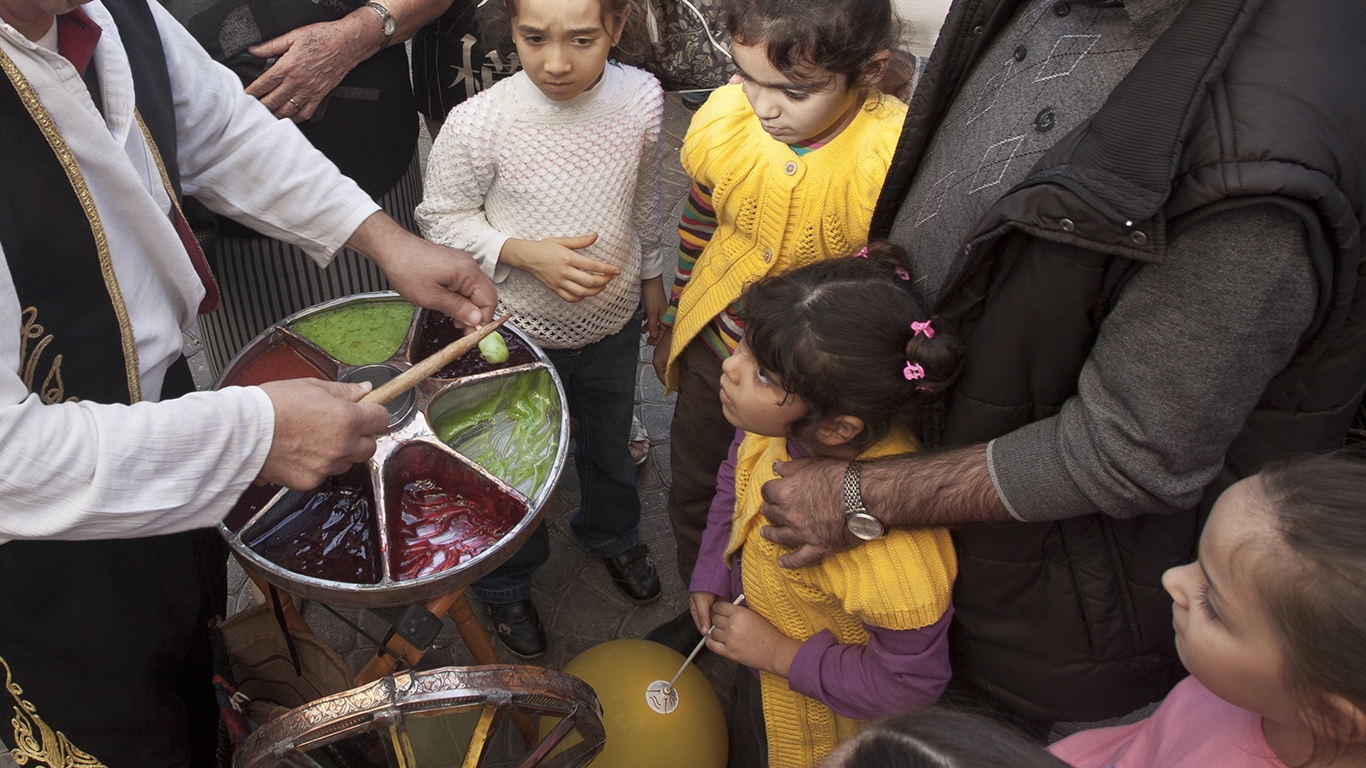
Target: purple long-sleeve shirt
point(896, 670)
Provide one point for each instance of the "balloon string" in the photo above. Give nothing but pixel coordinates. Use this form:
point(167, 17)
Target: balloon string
point(697, 650)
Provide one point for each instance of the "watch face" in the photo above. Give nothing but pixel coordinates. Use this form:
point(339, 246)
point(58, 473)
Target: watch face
point(864, 526)
point(389, 26)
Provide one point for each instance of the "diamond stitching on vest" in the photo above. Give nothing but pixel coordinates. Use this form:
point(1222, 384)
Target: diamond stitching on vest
point(1074, 47)
point(992, 161)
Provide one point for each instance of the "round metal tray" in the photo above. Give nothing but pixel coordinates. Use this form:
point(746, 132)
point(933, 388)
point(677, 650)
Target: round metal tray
point(359, 570)
point(473, 716)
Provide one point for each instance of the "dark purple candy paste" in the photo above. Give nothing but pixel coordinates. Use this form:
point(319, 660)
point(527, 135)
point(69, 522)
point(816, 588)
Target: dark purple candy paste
point(438, 331)
point(330, 533)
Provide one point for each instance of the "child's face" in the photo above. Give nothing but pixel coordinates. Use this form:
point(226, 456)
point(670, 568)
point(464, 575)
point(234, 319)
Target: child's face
point(794, 112)
point(563, 44)
point(753, 401)
point(1223, 631)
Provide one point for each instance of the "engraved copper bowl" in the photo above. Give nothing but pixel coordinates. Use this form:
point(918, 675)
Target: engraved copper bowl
point(454, 716)
point(507, 431)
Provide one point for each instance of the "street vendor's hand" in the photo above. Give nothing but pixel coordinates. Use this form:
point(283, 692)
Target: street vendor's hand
point(427, 274)
point(744, 636)
point(311, 61)
point(320, 430)
point(805, 506)
point(556, 262)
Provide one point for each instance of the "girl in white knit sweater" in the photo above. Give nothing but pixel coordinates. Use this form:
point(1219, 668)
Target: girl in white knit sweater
point(551, 180)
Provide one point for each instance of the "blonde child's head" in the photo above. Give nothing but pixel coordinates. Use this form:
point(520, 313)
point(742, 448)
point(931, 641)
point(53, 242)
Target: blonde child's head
point(563, 45)
point(837, 353)
point(808, 65)
point(1272, 616)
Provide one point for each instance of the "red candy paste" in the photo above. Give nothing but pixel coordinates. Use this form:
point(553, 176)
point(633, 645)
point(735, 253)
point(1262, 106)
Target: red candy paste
point(249, 503)
point(446, 515)
point(278, 363)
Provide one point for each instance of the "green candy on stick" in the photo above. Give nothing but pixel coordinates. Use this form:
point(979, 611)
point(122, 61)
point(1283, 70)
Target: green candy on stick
point(493, 348)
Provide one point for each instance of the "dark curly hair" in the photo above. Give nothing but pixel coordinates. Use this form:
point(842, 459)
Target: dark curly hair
point(838, 335)
point(805, 37)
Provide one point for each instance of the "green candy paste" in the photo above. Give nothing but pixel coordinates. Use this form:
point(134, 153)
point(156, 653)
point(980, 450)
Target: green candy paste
point(359, 334)
point(512, 434)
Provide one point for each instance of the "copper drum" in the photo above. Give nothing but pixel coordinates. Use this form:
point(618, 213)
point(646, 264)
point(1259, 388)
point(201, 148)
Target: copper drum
point(456, 485)
point(455, 716)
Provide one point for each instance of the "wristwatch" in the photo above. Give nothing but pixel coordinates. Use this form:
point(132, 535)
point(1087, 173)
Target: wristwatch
point(856, 517)
point(388, 19)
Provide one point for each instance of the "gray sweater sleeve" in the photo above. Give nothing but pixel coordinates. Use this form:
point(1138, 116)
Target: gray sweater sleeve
point(1179, 364)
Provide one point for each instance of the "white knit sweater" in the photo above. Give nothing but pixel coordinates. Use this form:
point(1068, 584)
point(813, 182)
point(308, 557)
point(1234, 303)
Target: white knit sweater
point(512, 163)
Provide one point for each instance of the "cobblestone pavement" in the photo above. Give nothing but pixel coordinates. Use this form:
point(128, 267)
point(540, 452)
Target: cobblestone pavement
point(573, 593)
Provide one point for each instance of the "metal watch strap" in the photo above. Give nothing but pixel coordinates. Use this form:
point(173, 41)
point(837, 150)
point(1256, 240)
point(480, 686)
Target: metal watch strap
point(856, 518)
point(853, 491)
point(386, 20)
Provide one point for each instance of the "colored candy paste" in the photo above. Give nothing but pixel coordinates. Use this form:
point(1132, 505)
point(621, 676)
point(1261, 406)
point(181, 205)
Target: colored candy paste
point(446, 515)
point(277, 363)
point(360, 334)
point(329, 533)
point(438, 331)
point(252, 500)
point(512, 434)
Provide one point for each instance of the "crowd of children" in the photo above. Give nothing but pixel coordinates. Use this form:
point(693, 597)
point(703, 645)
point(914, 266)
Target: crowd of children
point(787, 335)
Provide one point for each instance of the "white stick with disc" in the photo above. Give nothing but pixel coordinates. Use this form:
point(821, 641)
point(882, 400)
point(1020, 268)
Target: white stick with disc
point(660, 695)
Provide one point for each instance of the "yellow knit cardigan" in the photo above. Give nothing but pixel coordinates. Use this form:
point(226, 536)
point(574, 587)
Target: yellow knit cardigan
point(903, 580)
point(776, 211)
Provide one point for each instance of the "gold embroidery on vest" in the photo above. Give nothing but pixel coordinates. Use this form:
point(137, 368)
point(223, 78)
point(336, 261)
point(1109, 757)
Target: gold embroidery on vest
point(35, 740)
point(53, 389)
point(46, 124)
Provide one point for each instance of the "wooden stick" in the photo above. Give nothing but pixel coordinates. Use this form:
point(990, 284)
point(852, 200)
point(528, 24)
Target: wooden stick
point(434, 362)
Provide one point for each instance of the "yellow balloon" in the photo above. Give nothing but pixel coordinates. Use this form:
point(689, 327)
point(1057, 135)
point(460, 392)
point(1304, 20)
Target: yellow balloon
point(650, 727)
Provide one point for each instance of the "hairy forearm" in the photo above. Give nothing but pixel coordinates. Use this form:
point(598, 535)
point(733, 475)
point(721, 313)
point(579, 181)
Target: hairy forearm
point(939, 487)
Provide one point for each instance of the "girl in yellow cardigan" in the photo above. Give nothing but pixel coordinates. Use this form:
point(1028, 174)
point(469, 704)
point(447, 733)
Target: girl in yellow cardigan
point(837, 361)
point(786, 167)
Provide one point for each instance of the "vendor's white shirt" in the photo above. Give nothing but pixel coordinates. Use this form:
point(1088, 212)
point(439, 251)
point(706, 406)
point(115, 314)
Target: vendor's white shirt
point(91, 471)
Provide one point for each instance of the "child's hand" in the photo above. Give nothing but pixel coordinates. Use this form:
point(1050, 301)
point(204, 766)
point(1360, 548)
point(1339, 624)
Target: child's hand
point(661, 356)
point(700, 605)
point(744, 636)
point(652, 293)
point(554, 261)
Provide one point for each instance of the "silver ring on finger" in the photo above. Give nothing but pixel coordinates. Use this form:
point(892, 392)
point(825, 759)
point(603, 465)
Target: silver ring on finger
point(297, 105)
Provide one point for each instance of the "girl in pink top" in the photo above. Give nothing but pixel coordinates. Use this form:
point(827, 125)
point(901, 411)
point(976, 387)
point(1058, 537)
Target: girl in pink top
point(1271, 622)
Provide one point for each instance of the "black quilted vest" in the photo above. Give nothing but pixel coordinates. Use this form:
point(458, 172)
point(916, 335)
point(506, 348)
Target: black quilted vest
point(1069, 620)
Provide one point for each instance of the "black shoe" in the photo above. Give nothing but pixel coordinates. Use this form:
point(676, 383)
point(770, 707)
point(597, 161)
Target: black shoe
point(679, 633)
point(634, 574)
point(519, 627)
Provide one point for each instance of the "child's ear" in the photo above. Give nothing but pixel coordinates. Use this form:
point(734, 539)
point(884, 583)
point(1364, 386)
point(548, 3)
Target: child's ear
point(1353, 716)
point(839, 430)
point(877, 67)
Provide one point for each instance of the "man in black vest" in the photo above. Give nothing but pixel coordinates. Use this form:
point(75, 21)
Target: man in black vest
point(112, 469)
point(1144, 219)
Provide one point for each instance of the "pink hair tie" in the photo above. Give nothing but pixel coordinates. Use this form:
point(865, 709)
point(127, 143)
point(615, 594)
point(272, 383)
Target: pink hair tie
point(862, 253)
point(919, 328)
point(913, 371)
point(902, 273)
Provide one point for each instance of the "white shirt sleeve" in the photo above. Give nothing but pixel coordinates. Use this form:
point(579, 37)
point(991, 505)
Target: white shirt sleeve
point(648, 219)
point(242, 162)
point(460, 171)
